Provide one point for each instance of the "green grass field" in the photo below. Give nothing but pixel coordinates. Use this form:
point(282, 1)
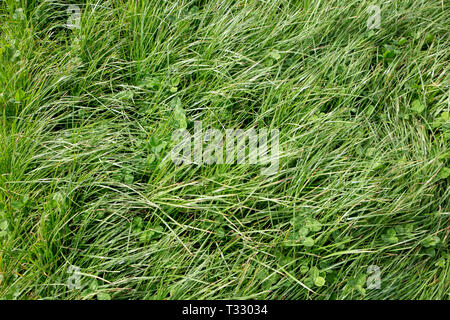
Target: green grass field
point(91, 207)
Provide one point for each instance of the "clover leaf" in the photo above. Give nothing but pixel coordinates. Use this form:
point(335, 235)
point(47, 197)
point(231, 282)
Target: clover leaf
point(390, 236)
point(319, 281)
point(103, 296)
point(431, 241)
point(417, 106)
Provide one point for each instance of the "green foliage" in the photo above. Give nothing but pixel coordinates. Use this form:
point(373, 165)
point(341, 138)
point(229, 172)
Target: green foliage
point(87, 116)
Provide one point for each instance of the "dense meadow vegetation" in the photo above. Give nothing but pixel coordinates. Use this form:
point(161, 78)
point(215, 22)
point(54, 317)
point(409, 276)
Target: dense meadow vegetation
point(92, 207)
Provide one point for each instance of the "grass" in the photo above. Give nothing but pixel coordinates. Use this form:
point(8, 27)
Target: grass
point(364, 136)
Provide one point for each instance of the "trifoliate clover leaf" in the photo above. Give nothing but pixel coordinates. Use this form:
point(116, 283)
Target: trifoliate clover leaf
point(431, 241)
point(308, 242)
point(151, 234)
point(445, 116)
point(128, 178)
point(156, 145)
point(314, 225)
point(103, 296)
point(319, 281)
point(93, 285)
point(175, 103)
point(268, 62)
point(402, 41)
point(444, 173)
point(150, 83)
point(357, 283)
point(175, 81)
point(275, 54)
point(21, 203)
point(314, 272)
point(408, 228)
point(417, 106)
point(388, 55)
point(4, 225)
point(286, 260)
point(304, 269)
point(303, 232)
point(390, 236)
point(137, 224)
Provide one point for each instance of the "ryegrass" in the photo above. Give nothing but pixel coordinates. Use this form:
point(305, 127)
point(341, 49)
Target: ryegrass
point(80, 184)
